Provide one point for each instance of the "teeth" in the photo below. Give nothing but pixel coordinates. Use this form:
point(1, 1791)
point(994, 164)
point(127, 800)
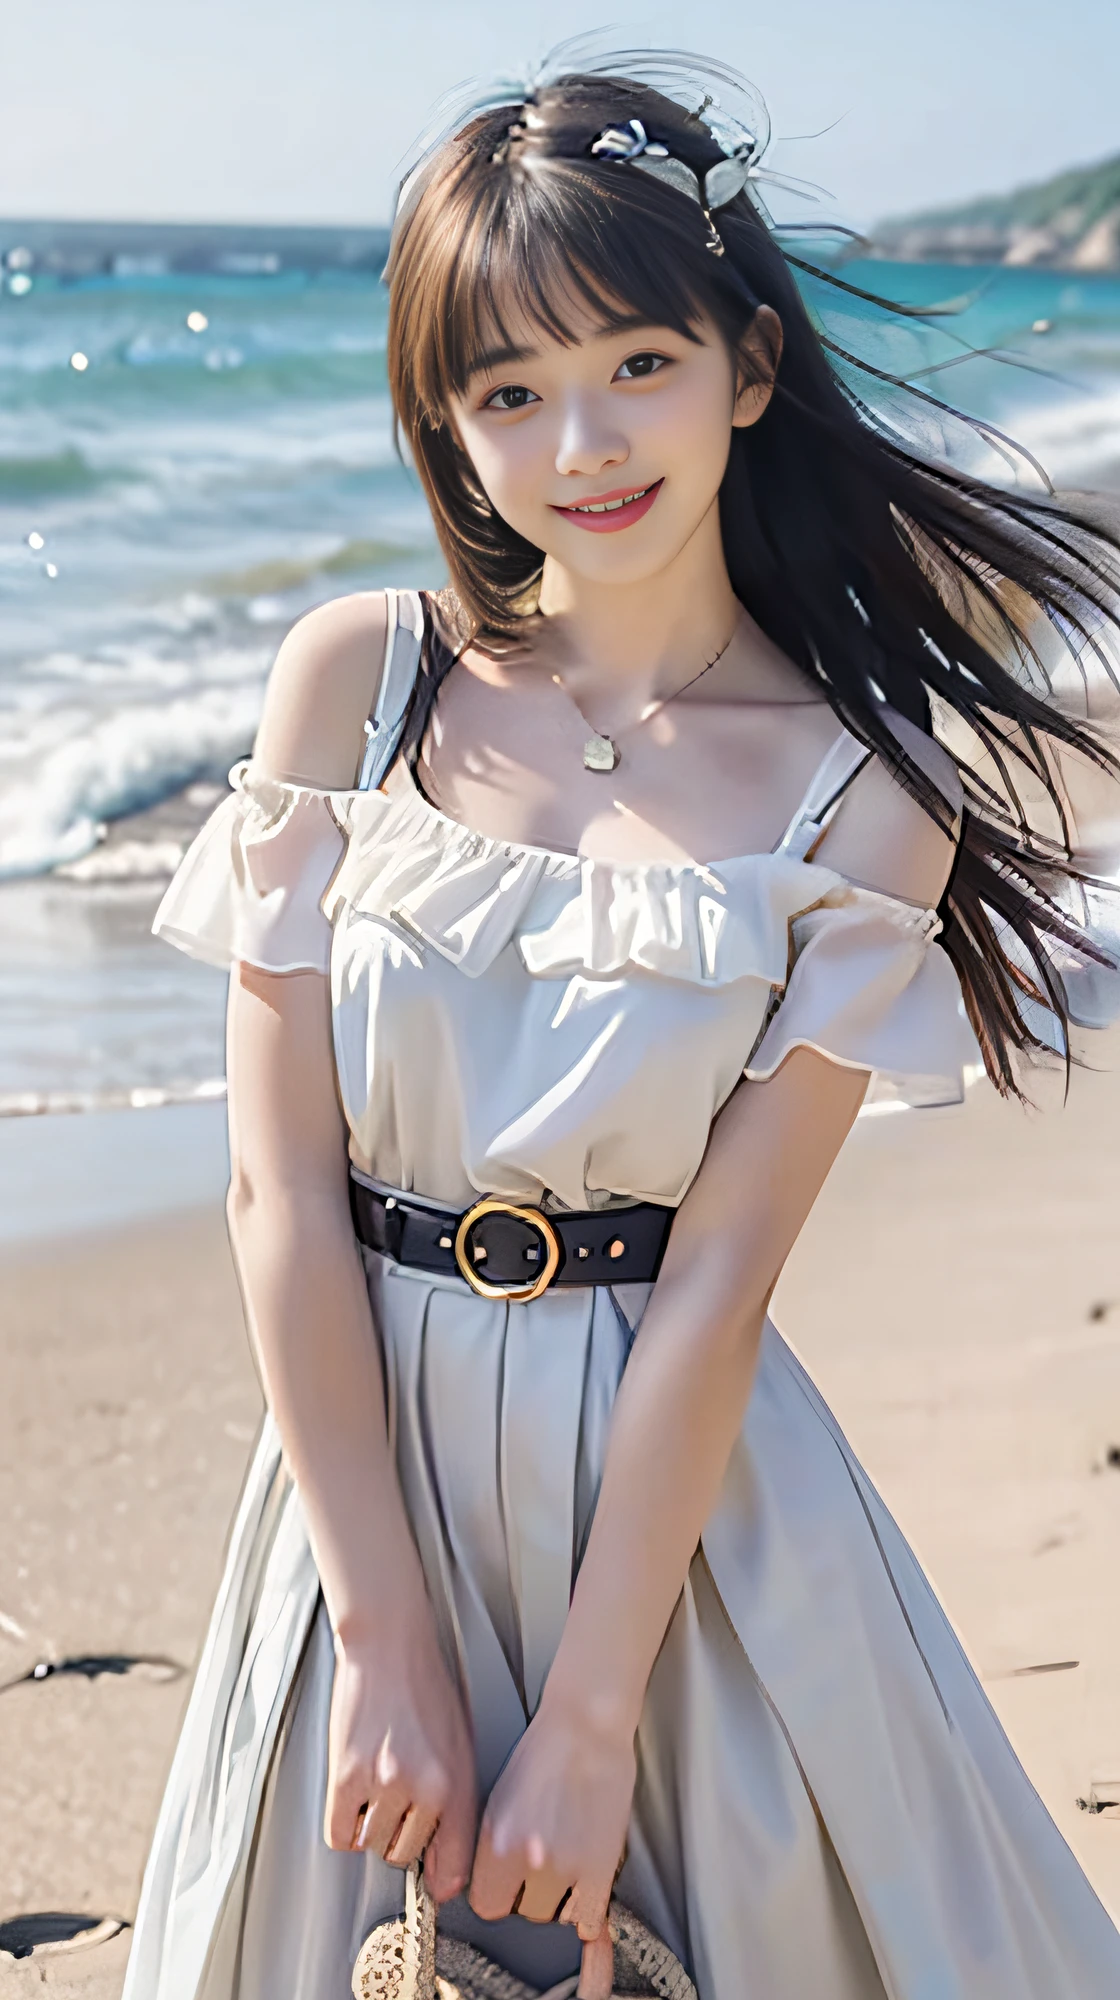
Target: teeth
point(609, 506)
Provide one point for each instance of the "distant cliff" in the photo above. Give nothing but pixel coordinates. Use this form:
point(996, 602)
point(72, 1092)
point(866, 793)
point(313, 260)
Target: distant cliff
point(1071, 222)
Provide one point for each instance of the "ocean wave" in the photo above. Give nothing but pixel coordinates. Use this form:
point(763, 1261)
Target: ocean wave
point(184, 448)
point(126, 861)
point(1075, 439)
point(140, 1097)
point(281, 573)
point(124, 762)
point(65, 471)
point(144, 364)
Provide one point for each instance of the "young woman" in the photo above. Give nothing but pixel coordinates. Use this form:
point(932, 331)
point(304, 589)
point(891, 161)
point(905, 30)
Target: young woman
point(570, 915)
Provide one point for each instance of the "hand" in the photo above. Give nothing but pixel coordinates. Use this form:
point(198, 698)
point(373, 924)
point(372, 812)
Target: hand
point(554, 1831)
point(401, 1776)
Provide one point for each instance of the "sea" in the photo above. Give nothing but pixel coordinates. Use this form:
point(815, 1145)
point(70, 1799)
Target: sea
point(196, 446)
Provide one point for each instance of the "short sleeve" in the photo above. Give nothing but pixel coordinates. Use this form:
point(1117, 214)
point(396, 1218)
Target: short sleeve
point(250, 887)
point(870, 988)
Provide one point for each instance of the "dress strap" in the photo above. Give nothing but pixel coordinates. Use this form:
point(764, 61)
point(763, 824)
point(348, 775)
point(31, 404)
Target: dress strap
point(842, 762)
point(404, 639)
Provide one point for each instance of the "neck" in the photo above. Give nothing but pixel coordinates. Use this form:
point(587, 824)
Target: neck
point(645, 633)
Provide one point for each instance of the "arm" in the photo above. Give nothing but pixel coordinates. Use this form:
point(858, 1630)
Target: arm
point(567, 1790)
point(556, 1822)
point(399, 1740)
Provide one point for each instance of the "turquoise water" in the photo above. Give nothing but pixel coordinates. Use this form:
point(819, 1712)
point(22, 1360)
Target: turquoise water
point(1046, 348)
point(167, 510)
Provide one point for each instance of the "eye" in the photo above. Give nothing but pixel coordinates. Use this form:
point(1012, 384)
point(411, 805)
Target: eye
point(511, 396)
point(636, 367)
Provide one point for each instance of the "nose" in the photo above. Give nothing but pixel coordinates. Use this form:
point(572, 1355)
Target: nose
point(589, 439)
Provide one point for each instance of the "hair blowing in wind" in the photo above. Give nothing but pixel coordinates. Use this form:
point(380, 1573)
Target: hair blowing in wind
point(892, 580)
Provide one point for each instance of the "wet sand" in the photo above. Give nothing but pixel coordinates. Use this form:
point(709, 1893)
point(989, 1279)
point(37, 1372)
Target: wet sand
point(956, 1294)
point(130, 1404)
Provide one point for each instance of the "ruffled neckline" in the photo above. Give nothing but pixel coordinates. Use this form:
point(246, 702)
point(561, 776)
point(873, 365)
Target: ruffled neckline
point(468, 895)
point(275, 851)
point(417, 813)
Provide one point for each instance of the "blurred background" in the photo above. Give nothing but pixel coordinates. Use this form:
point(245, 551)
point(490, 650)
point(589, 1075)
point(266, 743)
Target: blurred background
point(195, 447)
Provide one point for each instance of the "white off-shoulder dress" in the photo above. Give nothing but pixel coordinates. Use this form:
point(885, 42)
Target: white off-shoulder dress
point(826, 1804)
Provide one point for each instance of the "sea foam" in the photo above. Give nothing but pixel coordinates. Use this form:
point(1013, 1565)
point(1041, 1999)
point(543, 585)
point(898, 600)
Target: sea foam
point(125, 762)
point(1077, 438)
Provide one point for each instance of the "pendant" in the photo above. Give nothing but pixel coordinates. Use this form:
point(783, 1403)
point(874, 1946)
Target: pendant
point(600, 753)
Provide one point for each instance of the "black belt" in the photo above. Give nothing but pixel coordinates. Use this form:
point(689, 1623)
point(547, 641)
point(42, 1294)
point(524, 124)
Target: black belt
point(507, 1251)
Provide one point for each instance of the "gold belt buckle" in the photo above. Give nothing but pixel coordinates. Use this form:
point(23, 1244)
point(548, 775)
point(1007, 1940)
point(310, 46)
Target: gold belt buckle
point(537, 1220)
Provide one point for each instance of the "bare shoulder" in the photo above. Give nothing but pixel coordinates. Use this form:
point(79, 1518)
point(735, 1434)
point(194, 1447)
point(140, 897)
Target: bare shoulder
point(321, 690)
point(883, 839)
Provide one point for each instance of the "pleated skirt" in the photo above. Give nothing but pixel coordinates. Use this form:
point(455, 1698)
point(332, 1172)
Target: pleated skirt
point(826, 1803)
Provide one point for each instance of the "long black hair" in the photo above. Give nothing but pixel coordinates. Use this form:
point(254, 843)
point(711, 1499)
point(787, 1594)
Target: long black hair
point(892, 581)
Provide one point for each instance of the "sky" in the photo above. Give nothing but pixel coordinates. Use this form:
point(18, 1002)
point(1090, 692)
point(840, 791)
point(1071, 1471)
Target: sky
point(300, 110)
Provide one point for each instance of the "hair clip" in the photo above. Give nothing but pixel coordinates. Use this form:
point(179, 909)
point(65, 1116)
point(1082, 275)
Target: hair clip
point(631, 145)
point(628, 142)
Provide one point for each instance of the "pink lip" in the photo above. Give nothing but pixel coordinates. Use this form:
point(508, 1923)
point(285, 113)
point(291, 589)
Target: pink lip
point(620, 517)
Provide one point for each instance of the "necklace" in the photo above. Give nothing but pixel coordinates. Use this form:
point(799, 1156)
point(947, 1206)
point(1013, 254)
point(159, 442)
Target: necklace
point(601, 752)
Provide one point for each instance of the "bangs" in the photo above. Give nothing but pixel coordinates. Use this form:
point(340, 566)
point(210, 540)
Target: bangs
point(563, 251)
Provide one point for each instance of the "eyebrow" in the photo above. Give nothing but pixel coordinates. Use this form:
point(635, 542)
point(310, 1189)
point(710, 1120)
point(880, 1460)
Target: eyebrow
point(507, 352)
point(492, 358)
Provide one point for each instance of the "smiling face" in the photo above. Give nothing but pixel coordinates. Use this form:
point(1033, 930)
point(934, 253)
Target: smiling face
point(607, 451)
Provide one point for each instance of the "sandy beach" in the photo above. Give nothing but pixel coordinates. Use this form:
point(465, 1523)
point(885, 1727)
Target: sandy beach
point(956, 1294)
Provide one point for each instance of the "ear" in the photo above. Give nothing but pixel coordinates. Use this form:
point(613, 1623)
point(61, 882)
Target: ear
point(759, 356)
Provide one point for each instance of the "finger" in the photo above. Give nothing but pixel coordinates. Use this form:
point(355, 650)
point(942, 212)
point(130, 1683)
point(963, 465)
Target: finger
point(383, 1820)
point(411, 1838)
point(587, 1908)
point(496, 1879)
point(345, 1806)
point(596, 1971)
point(447, 1862)
point(545, 1891)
